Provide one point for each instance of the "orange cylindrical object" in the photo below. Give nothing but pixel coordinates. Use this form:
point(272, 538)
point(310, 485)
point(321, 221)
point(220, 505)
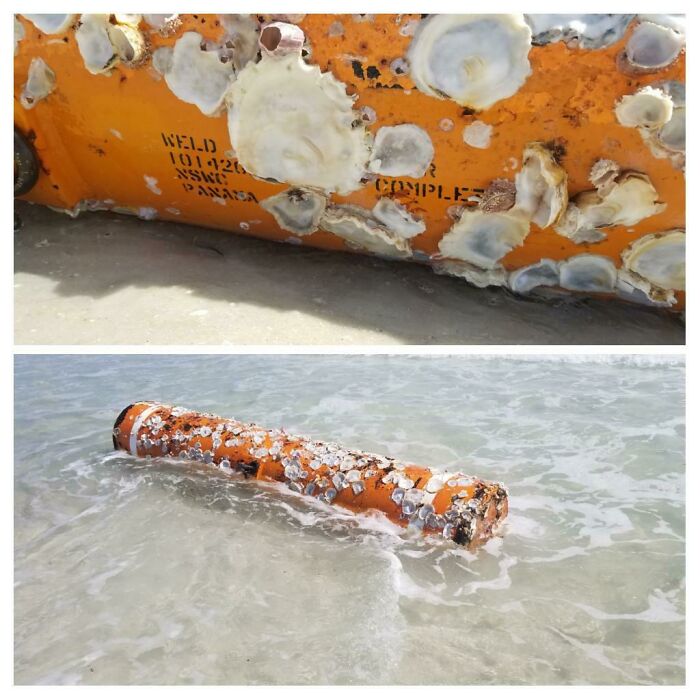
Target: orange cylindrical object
point(99, 136)
point(462, 508)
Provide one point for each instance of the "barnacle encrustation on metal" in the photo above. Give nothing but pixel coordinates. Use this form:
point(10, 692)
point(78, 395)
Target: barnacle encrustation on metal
point(292, 123)
point(588, 273)
point(41, 81)
point(52, 24)
point(164, 24)
point(483, 238)
point(298, 209)
point(544, 273)
point(397, 218)
point(633, 287)
point(475, 275)
point(498, 196)
point(407, 494)
point(361, 230)
point(588, 31)
point(239, 43)
point(475, 60)
point(658, 258)
point(193, 74)
point(655, 43)
point(541, 186)
point(103, 43)
point(622, 200)
point(648, 108)
point(95, 44)
point(657, 111)
point(477, 134)
point(280, 38)
point(404, 149)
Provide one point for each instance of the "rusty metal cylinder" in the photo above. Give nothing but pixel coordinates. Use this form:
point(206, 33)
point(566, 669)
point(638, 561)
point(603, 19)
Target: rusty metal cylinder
point(459, 507)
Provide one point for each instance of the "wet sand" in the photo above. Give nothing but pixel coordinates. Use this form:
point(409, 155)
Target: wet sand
point(103, 278)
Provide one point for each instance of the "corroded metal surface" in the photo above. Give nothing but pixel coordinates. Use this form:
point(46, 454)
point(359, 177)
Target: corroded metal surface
point(150, 127)
point(459, 507)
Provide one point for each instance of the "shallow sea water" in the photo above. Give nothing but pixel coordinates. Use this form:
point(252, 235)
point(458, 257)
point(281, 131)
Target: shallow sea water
point(135, 571)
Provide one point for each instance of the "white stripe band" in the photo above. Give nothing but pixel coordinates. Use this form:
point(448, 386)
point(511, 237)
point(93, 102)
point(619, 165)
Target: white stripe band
point(133, 435)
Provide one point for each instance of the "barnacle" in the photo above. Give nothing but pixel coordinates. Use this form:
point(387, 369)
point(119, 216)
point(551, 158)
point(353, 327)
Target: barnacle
point(41, 81)
point(405, 149)
point(633, 287)
point(163, 24)
point(477, 134)
point(196, 76)
point(588, 273)
point(360, 230)
point(630, 199)
point(241, 34)
point(475, 60)
point(397, 218)
point(280, 39)
point(653, 45)
point(667, 140)
point(129, 44)
point(544, 273)
point(658, 258)
point(95, 45)
point(52, 24)
point(483, 238)
point(290, 122)
point(647, 108)
point(478, 276)
point(498, 196)
point(298, 210)
point(585, 30)
point(541, 186)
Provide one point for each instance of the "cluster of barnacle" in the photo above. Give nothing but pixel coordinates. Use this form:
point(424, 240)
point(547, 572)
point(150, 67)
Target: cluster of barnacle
point(324, 470)
point(483, 234)
point(290, 122)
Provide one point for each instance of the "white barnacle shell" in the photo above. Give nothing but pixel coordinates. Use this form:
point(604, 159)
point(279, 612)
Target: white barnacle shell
point(544, 273)
point(659, 258)
point(52, 24)
point(291, 123)
point(242, 33)
point(668, 139)
point(397, 218)
point(41, 81)
point(603, 175)
point(405, 149)
point(588, 31)
point(648, 108)
point(194, 75)
point(652, 46)
point(541, 186)
point(128, 42)
point(477, 134)
point(477, 276)
point(588, 273)
point(631, 199)
point(633, 287)
point(475, 60)
point(95, 44)
point(298, 209)
point(164, 24)
point(483, 238)
point(360, 230)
